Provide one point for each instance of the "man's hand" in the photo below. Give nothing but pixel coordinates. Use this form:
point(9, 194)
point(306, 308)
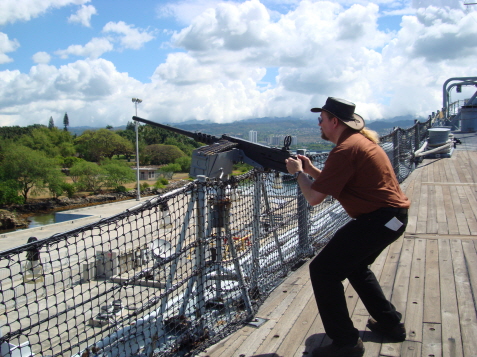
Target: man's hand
point(306, 164)
point(302, 163)
point(294, 165)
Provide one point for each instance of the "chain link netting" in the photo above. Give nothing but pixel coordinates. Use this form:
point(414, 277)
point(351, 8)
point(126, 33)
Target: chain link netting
point(401, 144)
point(173, 275)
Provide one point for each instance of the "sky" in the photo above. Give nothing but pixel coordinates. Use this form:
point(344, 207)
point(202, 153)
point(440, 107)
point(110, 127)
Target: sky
point(224, 61)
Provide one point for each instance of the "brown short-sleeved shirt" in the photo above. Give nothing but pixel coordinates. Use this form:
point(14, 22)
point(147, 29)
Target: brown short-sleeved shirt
point(360, 176)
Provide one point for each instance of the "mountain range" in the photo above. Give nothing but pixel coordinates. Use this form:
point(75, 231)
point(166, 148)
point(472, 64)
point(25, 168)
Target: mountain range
point(305, 129)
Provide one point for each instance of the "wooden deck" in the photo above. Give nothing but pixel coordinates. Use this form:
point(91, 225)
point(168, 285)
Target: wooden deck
point(430, 274)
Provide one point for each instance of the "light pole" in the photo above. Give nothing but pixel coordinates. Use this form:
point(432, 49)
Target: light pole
point(136, 101)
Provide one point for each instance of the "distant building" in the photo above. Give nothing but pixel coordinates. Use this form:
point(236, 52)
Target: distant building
point(147, 173)
point(278, 140)
point(252, 136)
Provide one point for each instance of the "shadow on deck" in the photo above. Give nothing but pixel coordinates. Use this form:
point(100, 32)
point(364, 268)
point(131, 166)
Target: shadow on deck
point(430, 275)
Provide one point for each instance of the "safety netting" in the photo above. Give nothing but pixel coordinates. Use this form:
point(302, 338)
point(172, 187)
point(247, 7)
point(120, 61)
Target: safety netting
point(170, 276)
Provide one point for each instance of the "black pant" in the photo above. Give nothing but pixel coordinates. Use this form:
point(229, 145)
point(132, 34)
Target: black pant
point(348, 255)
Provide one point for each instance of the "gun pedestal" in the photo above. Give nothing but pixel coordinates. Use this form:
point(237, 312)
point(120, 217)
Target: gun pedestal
point(216, 161)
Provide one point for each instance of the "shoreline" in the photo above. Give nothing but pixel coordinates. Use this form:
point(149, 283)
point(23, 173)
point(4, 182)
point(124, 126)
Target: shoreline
point(17, 217)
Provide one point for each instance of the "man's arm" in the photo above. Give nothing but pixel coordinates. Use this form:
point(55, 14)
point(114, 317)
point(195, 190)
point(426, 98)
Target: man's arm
point(308, 167)
point(293, 166)
point(313, 197)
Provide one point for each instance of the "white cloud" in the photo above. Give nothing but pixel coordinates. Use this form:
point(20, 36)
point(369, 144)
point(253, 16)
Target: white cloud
point(93, 49)
point(83, 15)
point(184, 11)
point(228, 27)
point(24, 10)
point(219, 70)
point(92, 92)
point(129, 37)
point(322, 49)
point(438, 35)
point(445, 35)
point(451, 4)
point(41, 57)
point(7, 45)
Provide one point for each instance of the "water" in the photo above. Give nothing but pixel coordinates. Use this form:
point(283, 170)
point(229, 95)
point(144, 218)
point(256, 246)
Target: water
point(44, 219)
point(40, 220)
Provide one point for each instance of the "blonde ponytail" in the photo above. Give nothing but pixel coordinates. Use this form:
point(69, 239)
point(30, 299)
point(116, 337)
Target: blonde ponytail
point(370, 134)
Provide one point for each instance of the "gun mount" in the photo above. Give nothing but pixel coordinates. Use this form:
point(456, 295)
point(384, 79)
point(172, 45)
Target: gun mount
point(217, 158)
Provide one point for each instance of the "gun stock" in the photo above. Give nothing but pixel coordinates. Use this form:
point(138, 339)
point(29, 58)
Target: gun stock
point(257, 155)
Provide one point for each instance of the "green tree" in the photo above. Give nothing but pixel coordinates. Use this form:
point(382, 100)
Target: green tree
point(184, 163)
point(66, 122)
point(185, 146)
point(87, 176)
point(131, 126)
point(4, 145)
point(14, 132)
point(39, 140)
point(51, 123)
point(128, 134)
point(69, 161)
point(154, 135)
point(159, 154)
point(117, 173)
point(170, 168)
point(57, 185)
point(31, 169)
point(54, 142)
point(102, 143)
point(9, 193)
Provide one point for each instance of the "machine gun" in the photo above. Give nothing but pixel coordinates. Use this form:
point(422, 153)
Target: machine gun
point(217, 158)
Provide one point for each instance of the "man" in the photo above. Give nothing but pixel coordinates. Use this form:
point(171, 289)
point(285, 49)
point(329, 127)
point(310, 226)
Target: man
point(360, 176)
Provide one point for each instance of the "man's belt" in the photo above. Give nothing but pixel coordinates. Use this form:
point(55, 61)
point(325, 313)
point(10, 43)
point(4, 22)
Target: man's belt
point(395, 210)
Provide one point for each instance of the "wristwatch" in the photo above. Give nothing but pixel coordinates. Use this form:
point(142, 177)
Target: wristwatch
point(298, 174)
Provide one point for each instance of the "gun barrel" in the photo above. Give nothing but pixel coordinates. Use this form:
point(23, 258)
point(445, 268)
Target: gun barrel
point(258, 155)
point(198, 136)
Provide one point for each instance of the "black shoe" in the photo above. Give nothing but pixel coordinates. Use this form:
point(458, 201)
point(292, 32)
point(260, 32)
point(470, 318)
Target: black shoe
point(337, 351)
point(396, 333)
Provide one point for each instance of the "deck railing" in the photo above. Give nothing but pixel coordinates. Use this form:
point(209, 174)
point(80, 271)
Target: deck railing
point(174, 274)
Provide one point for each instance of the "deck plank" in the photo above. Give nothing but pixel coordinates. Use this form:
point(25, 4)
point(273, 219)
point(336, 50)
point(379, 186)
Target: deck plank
point(432, 343)
point(452, 225)
point(442, 226)
point(459, 211)
point(395, 284)
point(470, 253)
point(467, 211)
point(465, 300)
point(294, 340)
point(432, 298)
point(415, 298)
point(431, 219)
point(413, 192)
point(277, 334)
point(451, 337)
point(421, 226)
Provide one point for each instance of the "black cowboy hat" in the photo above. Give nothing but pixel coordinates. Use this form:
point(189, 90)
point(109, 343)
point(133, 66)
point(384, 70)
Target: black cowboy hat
point(344, 111)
